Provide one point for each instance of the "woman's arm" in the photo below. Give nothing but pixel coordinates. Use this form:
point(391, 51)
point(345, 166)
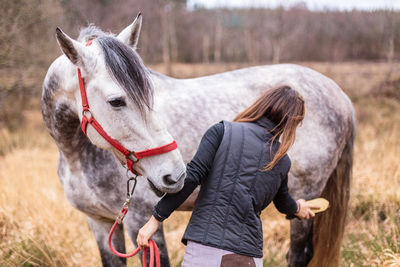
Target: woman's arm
point(197, 170)
point(283, 201)
point(286, 204)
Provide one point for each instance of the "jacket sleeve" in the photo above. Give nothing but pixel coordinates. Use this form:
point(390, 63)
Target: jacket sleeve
point(197, 169)
point(283, 201)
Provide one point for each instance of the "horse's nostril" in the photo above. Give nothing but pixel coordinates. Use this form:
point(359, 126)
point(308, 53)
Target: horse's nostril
point(168, 179)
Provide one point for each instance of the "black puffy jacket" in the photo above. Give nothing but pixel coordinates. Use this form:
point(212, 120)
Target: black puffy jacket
point(235, 191)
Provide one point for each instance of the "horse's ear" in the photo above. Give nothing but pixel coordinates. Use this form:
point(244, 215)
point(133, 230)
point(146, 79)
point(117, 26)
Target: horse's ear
point(130, 35)
point(76, 52)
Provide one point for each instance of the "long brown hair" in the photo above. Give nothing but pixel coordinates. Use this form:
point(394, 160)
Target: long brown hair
point(285, 108)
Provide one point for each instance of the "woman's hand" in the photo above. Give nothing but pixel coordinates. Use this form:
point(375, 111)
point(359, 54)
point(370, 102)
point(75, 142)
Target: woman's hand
point(146, 232)
point(305, 211)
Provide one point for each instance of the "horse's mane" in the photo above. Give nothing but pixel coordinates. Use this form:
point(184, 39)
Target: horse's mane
point(124, 65)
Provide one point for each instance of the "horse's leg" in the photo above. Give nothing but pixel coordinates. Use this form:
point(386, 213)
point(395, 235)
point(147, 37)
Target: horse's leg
point(301, 246)
point(321, 239)
point(135, 222)
point(101, 229)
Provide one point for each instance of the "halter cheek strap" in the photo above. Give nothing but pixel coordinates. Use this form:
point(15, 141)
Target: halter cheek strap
point(87, 118)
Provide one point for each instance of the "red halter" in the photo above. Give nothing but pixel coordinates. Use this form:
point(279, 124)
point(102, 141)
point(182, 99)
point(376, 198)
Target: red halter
point(87, 117)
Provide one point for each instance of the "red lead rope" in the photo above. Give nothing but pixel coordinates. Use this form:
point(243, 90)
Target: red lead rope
point(154, 252)
point(87, 118)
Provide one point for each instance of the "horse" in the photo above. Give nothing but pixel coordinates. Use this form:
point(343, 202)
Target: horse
point(141, 108)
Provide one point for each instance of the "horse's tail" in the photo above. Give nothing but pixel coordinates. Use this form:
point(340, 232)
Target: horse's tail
point(329, 225)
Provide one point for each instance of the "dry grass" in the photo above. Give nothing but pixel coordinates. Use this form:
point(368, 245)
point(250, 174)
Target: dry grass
point(38, 227)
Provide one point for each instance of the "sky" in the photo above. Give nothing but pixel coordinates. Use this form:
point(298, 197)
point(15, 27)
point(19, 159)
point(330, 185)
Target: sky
point(311, 4)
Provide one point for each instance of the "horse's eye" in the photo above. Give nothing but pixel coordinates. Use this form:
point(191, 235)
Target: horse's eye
point(118, 102)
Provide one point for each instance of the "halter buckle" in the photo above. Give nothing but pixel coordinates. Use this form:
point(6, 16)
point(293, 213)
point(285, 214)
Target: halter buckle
point(86, 113)
point(132, 157)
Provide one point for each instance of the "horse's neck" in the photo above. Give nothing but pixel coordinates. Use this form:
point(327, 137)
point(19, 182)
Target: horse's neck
point(209, 98)
point(189, 106)
point(59, 115)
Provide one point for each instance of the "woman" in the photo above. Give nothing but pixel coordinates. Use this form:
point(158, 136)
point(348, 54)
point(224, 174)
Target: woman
point(241, 167)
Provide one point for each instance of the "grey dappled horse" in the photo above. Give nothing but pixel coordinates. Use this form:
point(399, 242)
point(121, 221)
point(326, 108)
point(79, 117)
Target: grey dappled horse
point(133, 103)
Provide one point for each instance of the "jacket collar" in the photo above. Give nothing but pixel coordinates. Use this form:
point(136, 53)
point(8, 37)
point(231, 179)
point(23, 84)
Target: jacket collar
point(266, 123)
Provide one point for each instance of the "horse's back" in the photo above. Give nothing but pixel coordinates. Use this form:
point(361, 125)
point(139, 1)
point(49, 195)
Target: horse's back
point(192, 105)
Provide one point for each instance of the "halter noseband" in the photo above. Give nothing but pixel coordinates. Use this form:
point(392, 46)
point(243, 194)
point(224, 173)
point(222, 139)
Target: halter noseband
point(87, 117)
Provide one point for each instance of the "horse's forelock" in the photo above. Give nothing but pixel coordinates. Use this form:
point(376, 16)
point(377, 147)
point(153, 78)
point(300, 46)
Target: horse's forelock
point(91, 32)
point(125, 65)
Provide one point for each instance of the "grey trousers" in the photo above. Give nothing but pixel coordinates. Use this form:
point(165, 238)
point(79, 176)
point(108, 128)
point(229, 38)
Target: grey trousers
point(198, 255)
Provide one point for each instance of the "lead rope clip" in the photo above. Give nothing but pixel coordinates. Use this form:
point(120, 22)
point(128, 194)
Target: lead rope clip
point(129, 194)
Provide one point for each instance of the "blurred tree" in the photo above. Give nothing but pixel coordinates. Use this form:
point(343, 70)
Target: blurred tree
point(218, 38)
point(390, 37)
point(276, 33)
point(25, 31)
point(20, 23)
point(171, 32)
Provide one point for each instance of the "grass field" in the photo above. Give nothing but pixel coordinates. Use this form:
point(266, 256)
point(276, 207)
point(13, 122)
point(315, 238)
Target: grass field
point(38, 227)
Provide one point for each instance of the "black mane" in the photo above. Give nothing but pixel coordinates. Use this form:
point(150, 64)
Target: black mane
point(127, 68)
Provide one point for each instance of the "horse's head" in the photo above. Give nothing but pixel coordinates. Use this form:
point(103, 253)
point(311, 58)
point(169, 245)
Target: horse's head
point(120, 97)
